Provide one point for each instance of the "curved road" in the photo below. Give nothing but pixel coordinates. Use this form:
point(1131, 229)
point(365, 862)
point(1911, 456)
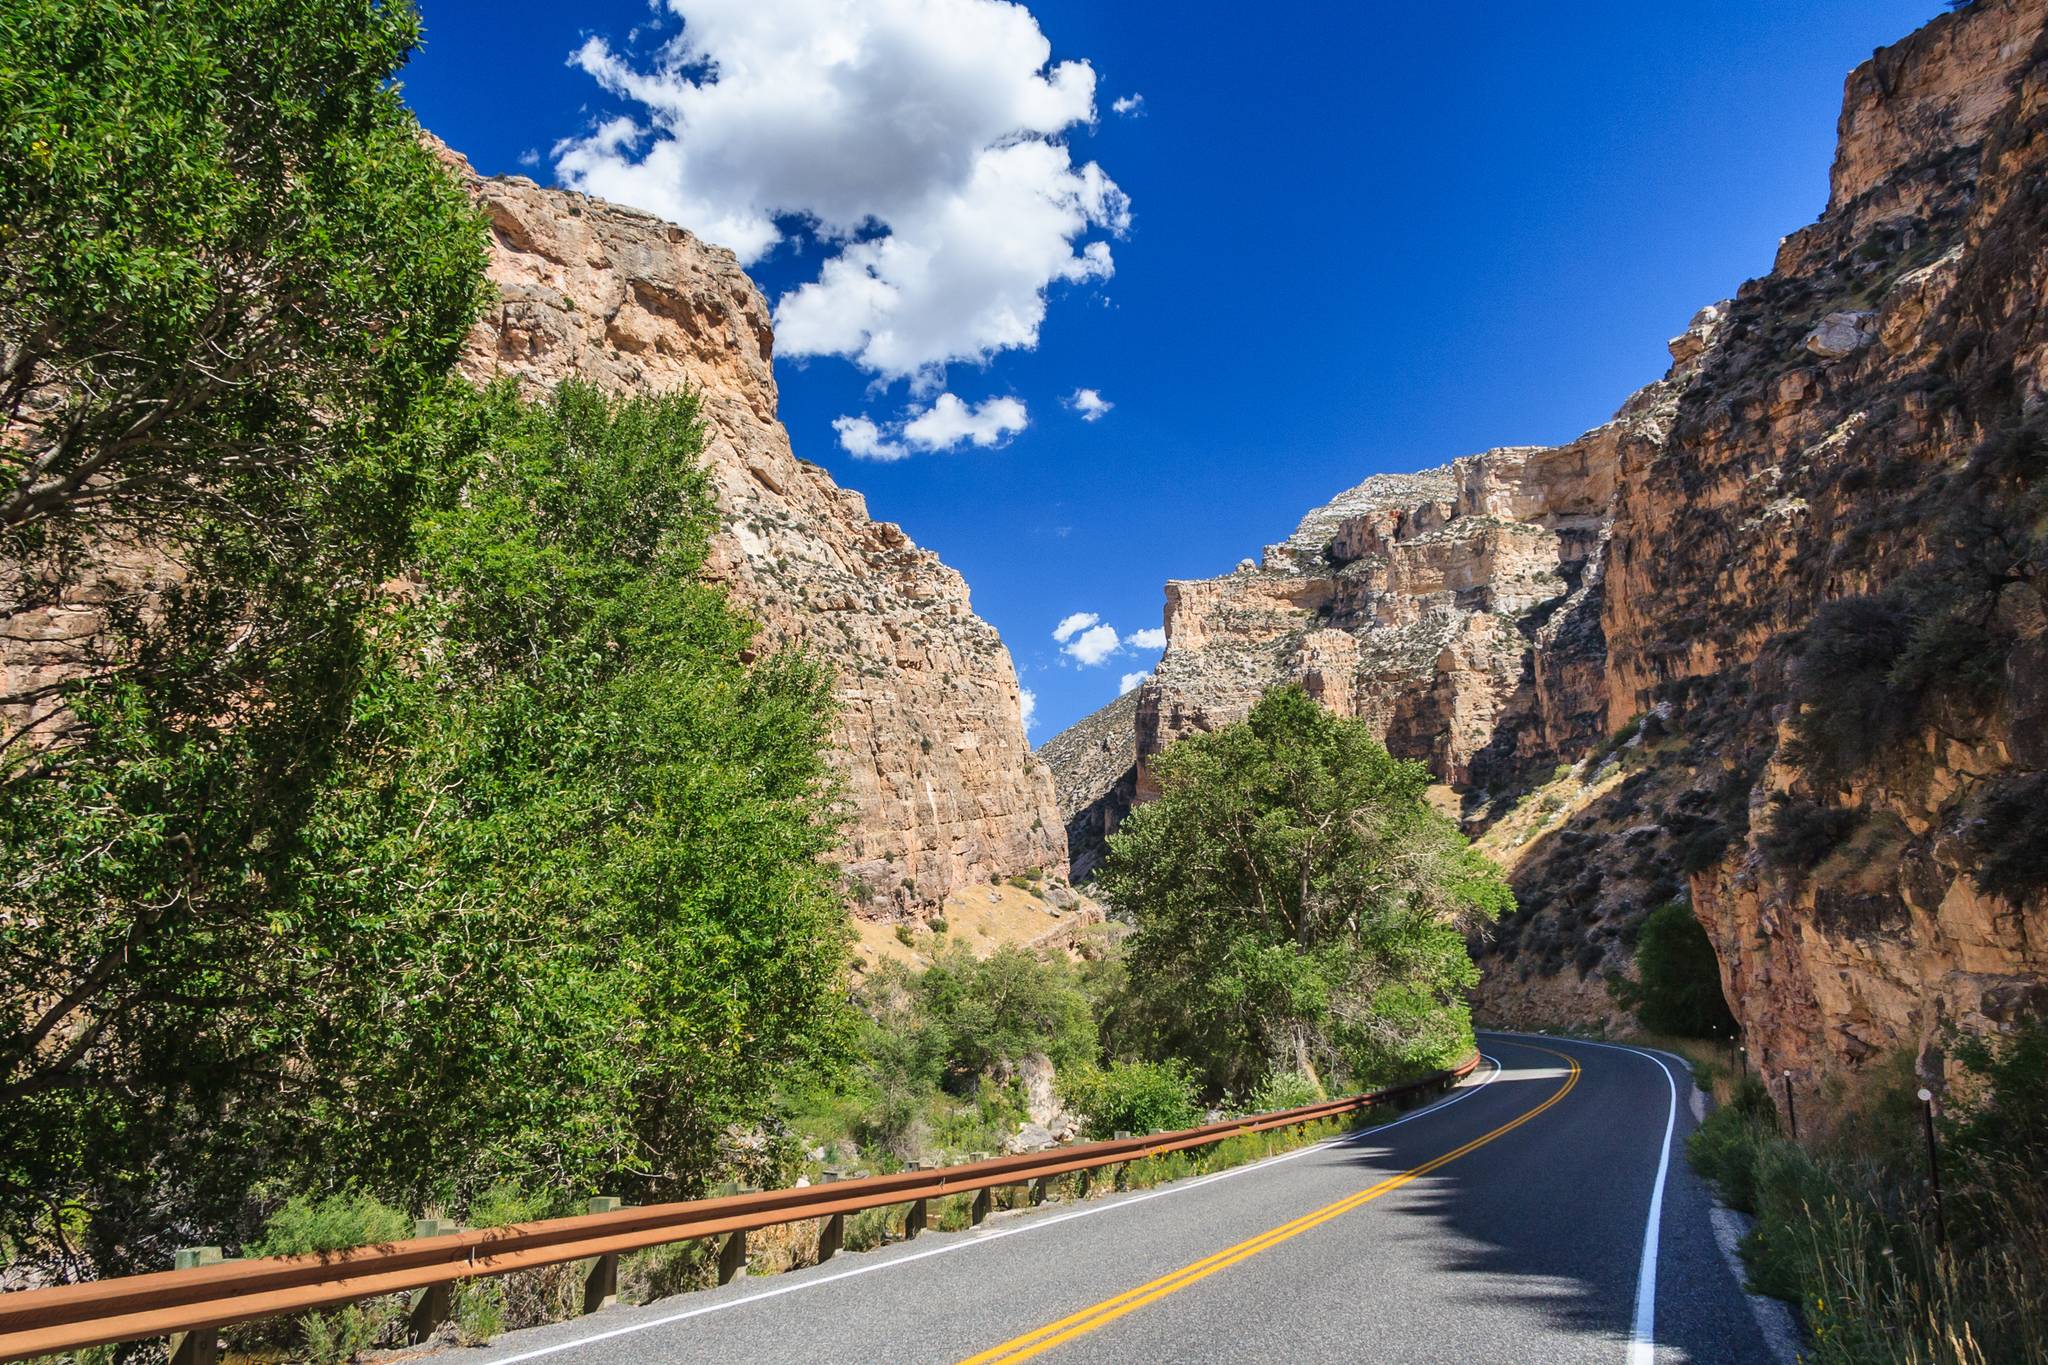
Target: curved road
point(1542, 1212)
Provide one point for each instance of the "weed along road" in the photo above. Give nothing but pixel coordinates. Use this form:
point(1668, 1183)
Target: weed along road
point(1542, 1211)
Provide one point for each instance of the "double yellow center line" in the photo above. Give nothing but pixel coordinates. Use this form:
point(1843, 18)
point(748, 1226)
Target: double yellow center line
point(1109, 1310)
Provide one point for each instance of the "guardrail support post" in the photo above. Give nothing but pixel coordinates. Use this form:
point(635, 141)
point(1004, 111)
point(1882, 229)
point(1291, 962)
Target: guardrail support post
point(434, 1304)
point(601, 1282)
point(202, 1345)
point(1084, 1182)
point(732, 1257)
point(984, 1204)
point(1038, 1190)
point(832, 1237)
point(914, 1221)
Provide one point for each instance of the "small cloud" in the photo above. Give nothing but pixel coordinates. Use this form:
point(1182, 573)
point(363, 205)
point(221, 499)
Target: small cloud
point(1027, 706)
point(948, 423)
point(863, 440)
point(1130, 106)
point(1068, 626)
point(1129, 681)
point(530, 157)
point(1155, 638)
point(1092, 645)
point(1090, 404)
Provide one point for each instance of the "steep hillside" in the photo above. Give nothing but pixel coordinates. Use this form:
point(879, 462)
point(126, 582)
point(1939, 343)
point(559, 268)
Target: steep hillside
point(1771, 639)
point(1094, 764)
point(942, 790)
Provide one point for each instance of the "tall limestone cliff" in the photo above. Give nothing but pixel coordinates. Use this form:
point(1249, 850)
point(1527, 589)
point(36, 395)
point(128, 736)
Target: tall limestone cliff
point(1457, 610)
point(941, 785)
point(1772, 640)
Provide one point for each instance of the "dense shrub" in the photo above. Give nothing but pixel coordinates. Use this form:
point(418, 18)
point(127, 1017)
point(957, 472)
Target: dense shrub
point(1800, 833)
point(2008, 832)
point(337, 1222)
point(1844, 1228)
point(1283, 1090)
point(1133, 1097)
point(1678, 979)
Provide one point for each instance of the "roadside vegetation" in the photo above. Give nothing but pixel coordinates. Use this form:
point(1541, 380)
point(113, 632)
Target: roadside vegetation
point(423, 835)
point(1845, 1221)
point(1296, 906)
point(421, 823)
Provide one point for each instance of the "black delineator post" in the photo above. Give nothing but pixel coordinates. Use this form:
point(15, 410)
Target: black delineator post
point(1933, 1166)
point(1791, 1112)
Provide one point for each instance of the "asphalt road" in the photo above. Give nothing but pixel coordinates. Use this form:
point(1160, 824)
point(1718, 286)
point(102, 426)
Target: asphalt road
point(1510, 1221)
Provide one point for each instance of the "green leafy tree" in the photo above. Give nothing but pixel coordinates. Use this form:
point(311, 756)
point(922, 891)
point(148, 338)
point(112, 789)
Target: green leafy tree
point(231, 282)
point(1297, 903)
point(578, 841)
point(228, 265)
point(1678, 978)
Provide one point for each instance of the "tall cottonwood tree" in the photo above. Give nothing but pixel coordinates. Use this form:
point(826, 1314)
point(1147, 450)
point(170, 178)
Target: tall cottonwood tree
point(1297, 903)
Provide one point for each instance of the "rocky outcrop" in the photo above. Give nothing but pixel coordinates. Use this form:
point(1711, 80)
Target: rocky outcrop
point(1772, 641)
point(1094, 763)
point(1456, 610)
point(1856, 469)
point(940, 783)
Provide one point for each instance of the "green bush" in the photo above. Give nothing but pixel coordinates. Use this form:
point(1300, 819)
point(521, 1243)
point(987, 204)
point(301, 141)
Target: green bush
point(1283, 1090)
point(1843, 1226)
point(334, 1223)
point(2009, 834)
point(338, 1337)
point(506, 1203)
point(1678, 978)
point(1801, 833)
point(479, 1311)
point(1133, 1097)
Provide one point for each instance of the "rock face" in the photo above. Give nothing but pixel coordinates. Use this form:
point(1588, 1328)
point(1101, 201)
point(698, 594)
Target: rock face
point(1457, 610)
point(941, 785)
point(1860, 401)
point(1604, 647)
point(1094, 763)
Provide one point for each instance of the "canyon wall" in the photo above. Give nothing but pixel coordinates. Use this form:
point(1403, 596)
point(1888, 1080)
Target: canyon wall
point(941, 787)
point(1770, 641)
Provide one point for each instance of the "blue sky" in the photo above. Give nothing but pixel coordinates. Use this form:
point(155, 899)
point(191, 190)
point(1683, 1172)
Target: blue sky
point(1335, 240)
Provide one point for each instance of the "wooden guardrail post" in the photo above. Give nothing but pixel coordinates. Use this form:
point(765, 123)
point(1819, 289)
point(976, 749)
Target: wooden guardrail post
point(1038, 1190)
point(984, 1204)
point(601, 1281)
point(435, 1304)
point(200, 1346)
point(915, 1220)
point(732, 1257)
point(831, 1237)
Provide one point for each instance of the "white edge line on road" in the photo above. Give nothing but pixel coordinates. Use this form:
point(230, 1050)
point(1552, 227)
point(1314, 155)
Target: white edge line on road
point(1179, 1187)
point(1642, 1342)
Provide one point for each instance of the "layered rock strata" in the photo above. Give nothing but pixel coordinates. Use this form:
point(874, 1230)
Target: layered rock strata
point(1094, 763)
point(1610, 649)
point(941, 786)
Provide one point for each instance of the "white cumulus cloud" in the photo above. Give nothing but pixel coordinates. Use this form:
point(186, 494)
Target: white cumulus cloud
point(1129, 681)
point(1090, 404)
point(863, 440)
point(946, 424)
point(1155, 638)
point(1131, 105)
point(919, 140)
point(1070, 626)
point(1027, 706)
point(1092, 645)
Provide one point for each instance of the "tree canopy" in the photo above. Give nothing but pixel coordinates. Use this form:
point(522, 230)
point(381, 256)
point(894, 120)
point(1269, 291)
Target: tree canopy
point(1297, 903)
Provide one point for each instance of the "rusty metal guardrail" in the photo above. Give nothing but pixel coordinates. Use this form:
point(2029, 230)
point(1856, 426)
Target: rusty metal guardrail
point(197, 1299)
